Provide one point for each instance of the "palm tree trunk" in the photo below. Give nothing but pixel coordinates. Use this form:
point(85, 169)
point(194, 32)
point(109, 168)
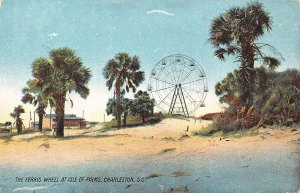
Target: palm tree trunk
point(50, 117)
point(41, 116)
point(60, 114)
point(125, 120)
point(248, 74)
point(19, 125)
point(118, 104)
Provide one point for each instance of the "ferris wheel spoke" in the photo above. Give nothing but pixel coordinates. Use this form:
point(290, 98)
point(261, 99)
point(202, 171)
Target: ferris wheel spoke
point(178, 73)
point(191, 89)
point(188, 96)
point(174, 70)
point(188, 74)
point(163, 89)
point(167, 73)
point(166, 96)
point(163, 81)
point(181, 74)
point(191, 82)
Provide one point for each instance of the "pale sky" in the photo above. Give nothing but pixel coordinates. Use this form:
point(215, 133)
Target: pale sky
point(98, 29)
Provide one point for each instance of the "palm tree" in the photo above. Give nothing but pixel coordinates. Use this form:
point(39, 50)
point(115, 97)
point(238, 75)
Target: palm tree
point(122, 71)
point(33, 95)
point(16, 114)
point(60, 75)
point(235, 32)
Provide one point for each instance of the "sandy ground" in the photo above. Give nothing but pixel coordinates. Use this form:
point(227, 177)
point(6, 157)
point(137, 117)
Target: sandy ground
point(82, 145)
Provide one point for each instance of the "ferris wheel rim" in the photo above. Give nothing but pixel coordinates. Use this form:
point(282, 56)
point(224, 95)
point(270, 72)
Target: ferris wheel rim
point(202, 94)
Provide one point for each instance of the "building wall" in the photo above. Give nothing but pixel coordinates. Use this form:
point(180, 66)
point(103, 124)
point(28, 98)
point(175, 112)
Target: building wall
point(68, 123)
point(46, 122)
point(73, 123)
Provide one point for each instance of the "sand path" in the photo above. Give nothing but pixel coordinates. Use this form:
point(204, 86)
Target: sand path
point(168, 136)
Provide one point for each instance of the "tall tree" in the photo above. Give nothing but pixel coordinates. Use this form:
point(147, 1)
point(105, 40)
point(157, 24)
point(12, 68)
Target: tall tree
point(142, 105)
point(235, 32)
point(122, 71)
point(16, 114)
point(62, 73)
point(33, 95)
point(125, 106)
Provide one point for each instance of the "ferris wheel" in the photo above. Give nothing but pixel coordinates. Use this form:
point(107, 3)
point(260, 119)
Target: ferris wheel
point(178, 84)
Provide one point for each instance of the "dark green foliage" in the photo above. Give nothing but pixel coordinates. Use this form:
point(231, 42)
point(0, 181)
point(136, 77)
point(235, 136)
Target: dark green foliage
point(254, 95)
point(33, 95)
point(282, 98)
point(125, 106)
point(142, 105)
point(16, 114)
point(133, 121)
point(122, 72)
point(111, 107)
point(235, 32)
point(276, 100)
point(64, 72)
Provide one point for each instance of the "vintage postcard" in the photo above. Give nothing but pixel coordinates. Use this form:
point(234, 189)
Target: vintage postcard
point(149, 96)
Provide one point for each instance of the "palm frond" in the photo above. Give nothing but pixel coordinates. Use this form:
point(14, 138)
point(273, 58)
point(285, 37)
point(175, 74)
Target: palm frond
point(82, 90)
point(27, 98)
point(271, 62)
point(220, 32)
point(219, 53)
point(41, 68)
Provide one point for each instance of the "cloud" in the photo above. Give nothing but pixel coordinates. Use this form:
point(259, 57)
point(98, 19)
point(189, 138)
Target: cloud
point(156, 50)
point(160, 12)
point(51, 35)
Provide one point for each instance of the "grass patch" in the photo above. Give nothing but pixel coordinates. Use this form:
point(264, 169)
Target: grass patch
point(242, 133)
point(45, 145)
point(5, 135)
point(167, 150)
point(154, 175)
point(7, 139)
point(132, 121)
point(3, 130)
point(208, 131)
point(183, 137)
point(179, 189)
point(168, 139)
point(204, 131)
point(179, 174)
point(109, 126)
point(218, 134)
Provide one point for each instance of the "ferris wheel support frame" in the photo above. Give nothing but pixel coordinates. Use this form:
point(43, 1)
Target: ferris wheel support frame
point(178, 92)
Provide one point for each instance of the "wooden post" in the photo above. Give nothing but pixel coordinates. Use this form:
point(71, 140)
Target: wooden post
point(50, 118)
point(29, 121)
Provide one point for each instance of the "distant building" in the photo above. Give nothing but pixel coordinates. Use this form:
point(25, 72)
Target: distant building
point(71, 120)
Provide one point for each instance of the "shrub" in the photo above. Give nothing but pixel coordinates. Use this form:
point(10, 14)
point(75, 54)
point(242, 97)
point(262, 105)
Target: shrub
point(204, 131)
point(276, 101)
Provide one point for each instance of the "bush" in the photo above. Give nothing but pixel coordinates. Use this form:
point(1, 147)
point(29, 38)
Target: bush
point(276, 101)
point(204, 131)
